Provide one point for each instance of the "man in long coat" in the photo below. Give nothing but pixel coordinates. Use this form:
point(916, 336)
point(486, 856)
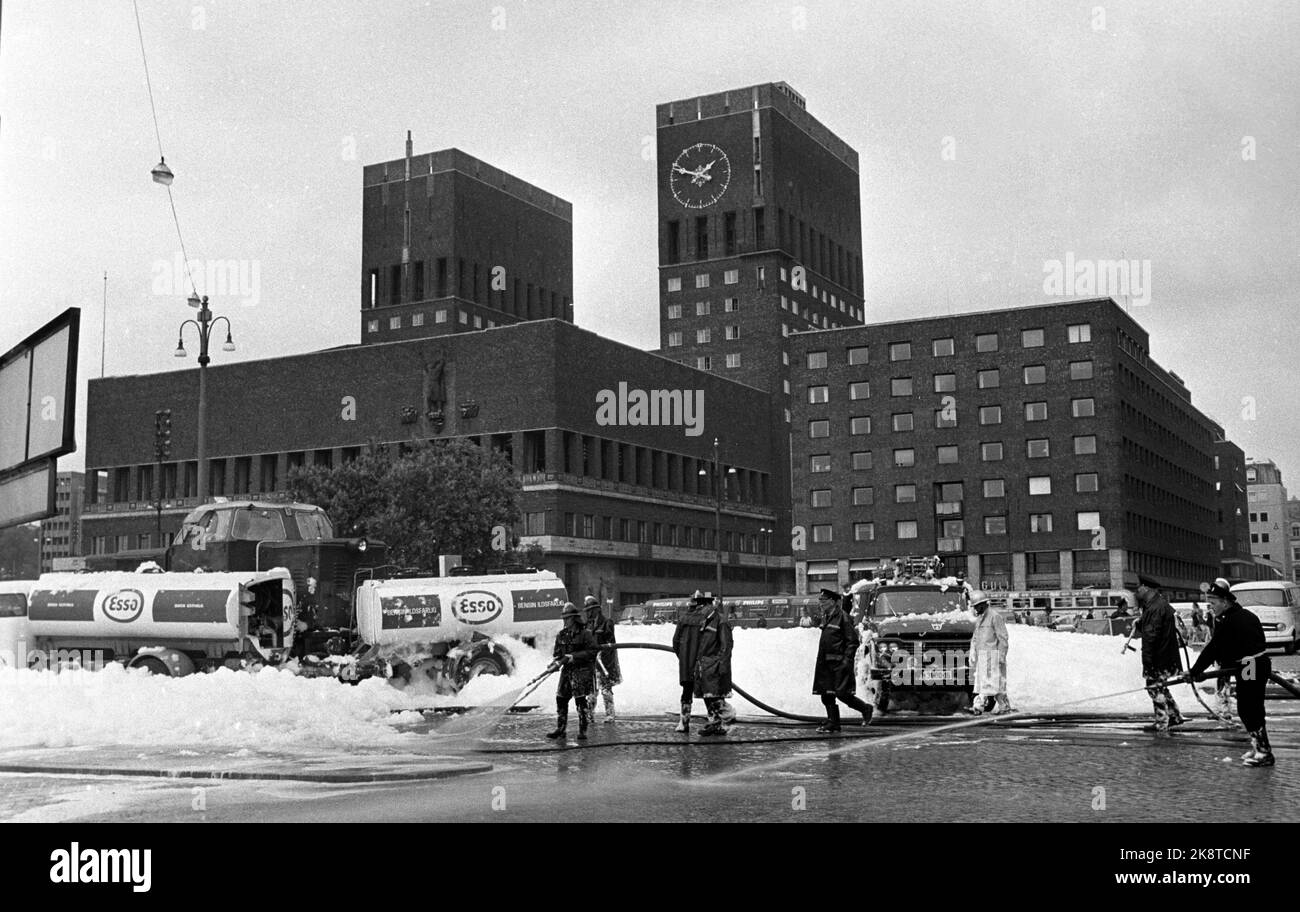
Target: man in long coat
point(607, 671)
point(1160, 656)
point(575, 653)
point(702, 642)
point(833, 675)
point(988, 647)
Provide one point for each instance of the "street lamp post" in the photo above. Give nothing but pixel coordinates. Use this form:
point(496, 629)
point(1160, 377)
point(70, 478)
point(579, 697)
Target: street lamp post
point(719, 484)
point(204, 324)
point(767, 552)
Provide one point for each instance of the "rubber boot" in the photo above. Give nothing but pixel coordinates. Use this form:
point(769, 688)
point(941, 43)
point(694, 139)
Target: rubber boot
point(982, 705)
point(1263, 751)
point(832, 723)
point(591, 703)
point(728, 713)
point(609, 706)
point(855, 702)
point(714, 726)
point(584, 718)
point(561, 720)
point(1003, 705)
point(684, 720)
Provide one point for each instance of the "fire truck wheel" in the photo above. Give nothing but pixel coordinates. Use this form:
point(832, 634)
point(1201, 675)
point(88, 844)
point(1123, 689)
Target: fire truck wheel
point(153, 665)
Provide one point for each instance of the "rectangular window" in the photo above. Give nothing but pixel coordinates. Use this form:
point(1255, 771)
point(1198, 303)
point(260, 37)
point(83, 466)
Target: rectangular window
point(1088, 520)
point(1031, 338)
point(702, 308)
point(702, 336)
point(900, 386)
point(860, 425)
point(864, 497)
point(904, 458)
point(674, 311)
point(702, 237)
point(674, 252)
point(760, 229)
point(862, 460)
point(1038, 448)
point(1085, 482)
point(819, 463)
point(816, 360)
point(905, 493)
point(463, 317)
point(902, 421)
point(858, 355)
point(945, 417)
point(822, 533)
point(900, 351)
point(675, 283)
point(1080, 370)
point(731, 277)
point(990, 414)
point(418, 280)
point(1083, 408)
point(704, 363)
point(1085, 446)
point(864, 531)
point(820, 497)
point(732, 332)
point(729, 234)
point(702, 280)
point(995, 525)
point(1040, 484)
point(731, 305)
point(986, 342)
point(1080, 332)
point(943, 348)
point(819, 428)
point(988, 379)
point(733, 360)
point(991, 452)
point(372, 326)
point(758, 191)
point(674, 339)
point(946, 455)
point(905, 529)
point(1035, 411)
point(394, 322)
point(440, 316)
point(819, 394)
point(1040, 522)
point(1035, 374)
point(995, 487)
point(945, 383)
point(860, 389)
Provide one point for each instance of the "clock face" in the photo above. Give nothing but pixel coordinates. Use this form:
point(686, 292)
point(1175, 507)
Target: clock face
point(700, 176)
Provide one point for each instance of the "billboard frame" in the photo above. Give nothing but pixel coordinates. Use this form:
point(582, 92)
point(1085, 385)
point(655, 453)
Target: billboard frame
point(70, 319)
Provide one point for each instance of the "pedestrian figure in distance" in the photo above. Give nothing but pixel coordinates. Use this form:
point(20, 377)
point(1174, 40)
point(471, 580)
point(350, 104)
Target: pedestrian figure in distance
point(702, 642)
point(1160, 656)
point(833, 675)
point(575, 653)
point(1238, 640)
point(989, 645)
point(607, 670)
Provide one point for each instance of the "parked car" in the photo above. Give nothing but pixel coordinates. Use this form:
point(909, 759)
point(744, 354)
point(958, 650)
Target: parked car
point(1277, 605)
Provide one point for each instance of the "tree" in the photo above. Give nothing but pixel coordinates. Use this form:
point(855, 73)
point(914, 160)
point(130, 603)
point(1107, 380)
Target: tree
point(443, 497)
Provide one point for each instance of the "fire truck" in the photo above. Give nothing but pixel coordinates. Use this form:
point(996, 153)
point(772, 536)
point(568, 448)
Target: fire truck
point(918, 630)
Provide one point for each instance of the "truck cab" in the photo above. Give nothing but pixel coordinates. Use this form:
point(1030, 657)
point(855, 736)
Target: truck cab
point(918, 637)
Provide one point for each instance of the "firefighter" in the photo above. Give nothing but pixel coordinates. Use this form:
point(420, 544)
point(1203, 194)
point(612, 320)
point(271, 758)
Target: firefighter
point(1160, 655)
point(1238, 640)
point(575, 653)
point(833, 676)
point(607, 671)
point(988, 646)
point(702, 642)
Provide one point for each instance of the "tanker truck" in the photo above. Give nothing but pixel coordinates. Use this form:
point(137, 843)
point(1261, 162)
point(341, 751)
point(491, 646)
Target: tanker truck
point(448, 628)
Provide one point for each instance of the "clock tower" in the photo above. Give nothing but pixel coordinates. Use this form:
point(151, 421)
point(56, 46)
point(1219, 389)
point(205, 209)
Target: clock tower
point(760, 236)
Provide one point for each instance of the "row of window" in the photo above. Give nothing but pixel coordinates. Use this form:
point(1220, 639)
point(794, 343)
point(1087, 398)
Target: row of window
point(947, 346)
point(951, 494)
point(953, 530)
point(406, 284)
point(704, 308)
point(704, 336)
point(987, 378)
point(705, 362)
point(439, 316)
point(947, 417)
point(992, 451)
point(612, 528)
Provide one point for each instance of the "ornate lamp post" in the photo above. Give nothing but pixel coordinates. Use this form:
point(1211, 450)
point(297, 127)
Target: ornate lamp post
point(204, 324)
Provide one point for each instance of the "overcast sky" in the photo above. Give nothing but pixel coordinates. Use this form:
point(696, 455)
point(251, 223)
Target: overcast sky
point(993, 138)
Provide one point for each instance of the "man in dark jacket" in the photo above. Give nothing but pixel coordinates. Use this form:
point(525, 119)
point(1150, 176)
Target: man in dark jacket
point(702, 642)
point(607, 672)
point(833, 675)
point(1238, 642)
point(1160, 656)
point(575, 653)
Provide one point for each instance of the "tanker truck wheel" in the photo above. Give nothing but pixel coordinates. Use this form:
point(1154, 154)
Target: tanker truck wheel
point(484, 664)
point(153, 665)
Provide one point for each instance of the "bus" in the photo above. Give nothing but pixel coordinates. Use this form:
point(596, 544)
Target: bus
point(741, 611)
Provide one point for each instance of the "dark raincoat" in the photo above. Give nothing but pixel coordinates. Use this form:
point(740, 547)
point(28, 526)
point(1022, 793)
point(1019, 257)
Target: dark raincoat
point(603, 630)
point(702, 642)
point(576, 677)
point(1159, 637)
point(835, 652)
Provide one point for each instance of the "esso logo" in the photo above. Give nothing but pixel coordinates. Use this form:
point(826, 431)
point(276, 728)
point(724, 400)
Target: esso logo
point(124, 606)
point(476, 607)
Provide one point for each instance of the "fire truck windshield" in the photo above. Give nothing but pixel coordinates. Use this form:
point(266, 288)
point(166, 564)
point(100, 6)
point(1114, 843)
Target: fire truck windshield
point(916, 601)
point(313, 525)
point(251, 524)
